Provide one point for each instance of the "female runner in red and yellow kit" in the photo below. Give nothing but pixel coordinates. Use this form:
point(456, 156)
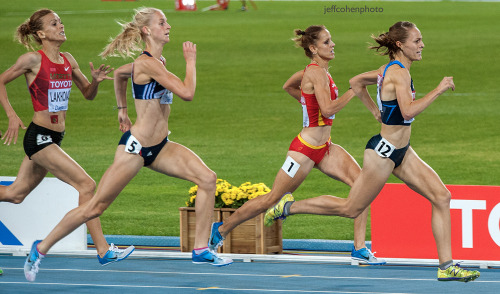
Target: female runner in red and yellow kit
point(312, 148)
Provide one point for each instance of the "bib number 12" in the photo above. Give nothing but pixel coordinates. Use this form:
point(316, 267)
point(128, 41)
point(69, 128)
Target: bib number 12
point(384, 148)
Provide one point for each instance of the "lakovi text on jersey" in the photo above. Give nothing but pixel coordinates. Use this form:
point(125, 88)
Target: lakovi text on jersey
point(58, 95)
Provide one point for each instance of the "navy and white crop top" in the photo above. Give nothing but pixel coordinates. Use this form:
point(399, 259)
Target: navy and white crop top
point(151, 90)
point(389, 110)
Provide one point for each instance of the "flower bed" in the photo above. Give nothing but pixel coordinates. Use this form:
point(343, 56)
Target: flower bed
point(250, 237)
point(229, 196)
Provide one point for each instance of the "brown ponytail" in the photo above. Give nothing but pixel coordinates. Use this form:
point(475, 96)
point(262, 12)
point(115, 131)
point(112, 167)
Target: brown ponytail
point(26, 33)
point(307, 38)
point(387, 41)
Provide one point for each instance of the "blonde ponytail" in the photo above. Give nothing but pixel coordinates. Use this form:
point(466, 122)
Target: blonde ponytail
point(128, 42)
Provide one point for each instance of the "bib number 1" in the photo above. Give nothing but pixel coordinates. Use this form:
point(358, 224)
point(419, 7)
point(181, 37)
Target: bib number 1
point(384, 148)
point(290, 167)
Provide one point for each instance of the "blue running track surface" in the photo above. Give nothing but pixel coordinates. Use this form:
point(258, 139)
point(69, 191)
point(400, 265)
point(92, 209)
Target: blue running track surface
point(62, 274)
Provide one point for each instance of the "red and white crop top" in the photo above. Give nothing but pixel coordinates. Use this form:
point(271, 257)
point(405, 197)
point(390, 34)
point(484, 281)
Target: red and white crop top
point(51, 87)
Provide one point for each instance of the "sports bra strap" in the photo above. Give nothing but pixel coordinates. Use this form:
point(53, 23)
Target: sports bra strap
point(147, 53)
point(392, 63)
point(311, 64)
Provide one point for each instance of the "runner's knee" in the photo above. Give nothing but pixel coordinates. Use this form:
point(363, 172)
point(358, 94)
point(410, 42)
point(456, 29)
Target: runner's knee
point(208, 180)
point(86, 190)
point(92, 211)
point(443, 198)
point(351, 211)
point(267, 201)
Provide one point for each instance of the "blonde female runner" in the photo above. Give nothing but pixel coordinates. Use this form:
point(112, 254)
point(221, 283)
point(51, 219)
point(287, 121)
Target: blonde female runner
point(146, 142)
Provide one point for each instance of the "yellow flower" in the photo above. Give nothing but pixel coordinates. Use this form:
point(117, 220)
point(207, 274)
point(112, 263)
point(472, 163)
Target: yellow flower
point(227, 195)
point(193, 190)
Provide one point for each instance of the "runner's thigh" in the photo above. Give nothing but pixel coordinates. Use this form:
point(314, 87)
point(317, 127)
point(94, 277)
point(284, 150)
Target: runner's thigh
point(61, 165)
point(340, 165)
point(419, 176)
point(178, 161)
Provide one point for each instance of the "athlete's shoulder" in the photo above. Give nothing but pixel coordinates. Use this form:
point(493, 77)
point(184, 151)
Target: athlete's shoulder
point(145, 60)
point(315, 72)
point(148, 65)
point(72, 61)
point(33, 57)
point(381, 69)
point(27, 62)
point(396, 71)
point(68, 56)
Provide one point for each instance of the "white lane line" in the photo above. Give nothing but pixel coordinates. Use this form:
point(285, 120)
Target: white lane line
point(195, 288)
point(288, 276)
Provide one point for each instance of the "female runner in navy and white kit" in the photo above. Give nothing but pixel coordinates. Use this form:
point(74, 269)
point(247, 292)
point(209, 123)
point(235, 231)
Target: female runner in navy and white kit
point(312, 148)
point(146, 142)
point(49, 75)
point(390, 151)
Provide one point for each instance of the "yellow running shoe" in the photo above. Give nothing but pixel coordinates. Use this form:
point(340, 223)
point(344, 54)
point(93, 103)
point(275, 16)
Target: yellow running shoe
point(456, 273)
point(276, 212)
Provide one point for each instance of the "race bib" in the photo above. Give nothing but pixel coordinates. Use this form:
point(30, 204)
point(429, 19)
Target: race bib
point(290, 167)
point(58, 95)
point(43, 139)
point(384, 148)
point(166, 97)
point(133, 146)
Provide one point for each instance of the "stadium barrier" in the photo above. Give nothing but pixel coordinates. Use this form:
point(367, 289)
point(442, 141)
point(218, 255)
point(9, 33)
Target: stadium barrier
point(401, 223)
point(36, 216)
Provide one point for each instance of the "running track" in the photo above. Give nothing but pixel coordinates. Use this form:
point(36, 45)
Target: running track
point(143, 272)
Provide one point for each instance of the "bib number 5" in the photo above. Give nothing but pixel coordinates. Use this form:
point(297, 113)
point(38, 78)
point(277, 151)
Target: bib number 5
point(133, 146)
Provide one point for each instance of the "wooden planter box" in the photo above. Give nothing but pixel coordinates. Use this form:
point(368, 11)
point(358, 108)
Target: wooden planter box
point(250, 237)
point(188, 226)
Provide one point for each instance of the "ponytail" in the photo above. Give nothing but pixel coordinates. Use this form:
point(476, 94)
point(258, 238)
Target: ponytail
point(307, 38)
point(387, 41)
point(26, 33)
point(127, 42)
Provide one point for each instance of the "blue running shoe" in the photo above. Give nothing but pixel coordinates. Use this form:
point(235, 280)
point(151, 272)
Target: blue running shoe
point(115, 254)
point(216, 239)
point(364, 255)
point(33, 262)
point(210, 257)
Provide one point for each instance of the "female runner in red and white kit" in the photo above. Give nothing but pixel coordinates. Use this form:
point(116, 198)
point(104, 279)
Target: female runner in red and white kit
point(49, 75)
point(146, 142)
point(312, 148)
